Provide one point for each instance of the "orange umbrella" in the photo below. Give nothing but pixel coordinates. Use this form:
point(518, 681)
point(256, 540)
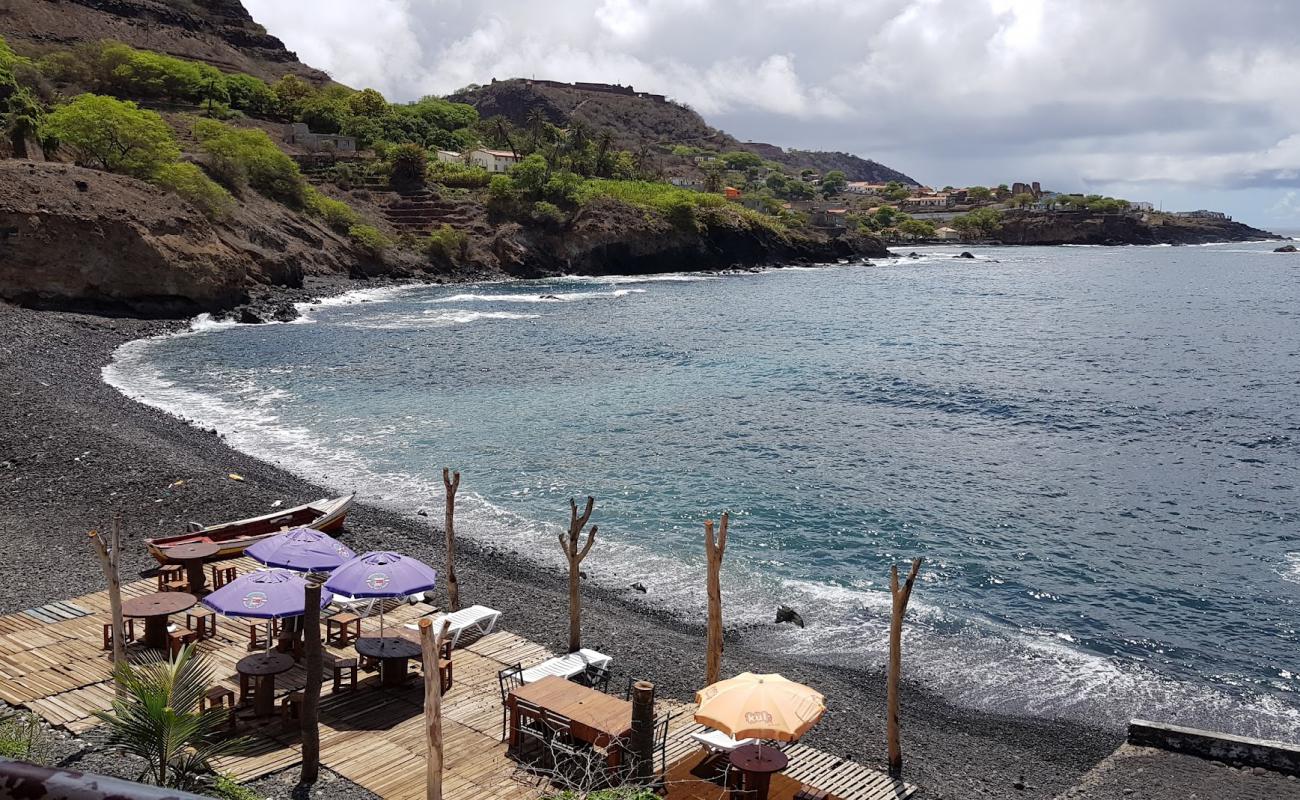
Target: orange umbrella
point(760, 707)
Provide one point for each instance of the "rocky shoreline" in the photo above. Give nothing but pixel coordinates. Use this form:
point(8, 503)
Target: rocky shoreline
point(73, 451)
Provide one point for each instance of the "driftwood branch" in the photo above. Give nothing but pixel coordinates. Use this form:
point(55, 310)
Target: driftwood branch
point(574, 554)
point(451, 482)
point(109, 554)
point(899, 608)
point(312, 662)
point(430, 648)
point(714, 548)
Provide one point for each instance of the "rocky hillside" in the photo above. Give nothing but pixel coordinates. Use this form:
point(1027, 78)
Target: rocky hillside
point(640, 120)
point(218, 32)
point(1115, 229)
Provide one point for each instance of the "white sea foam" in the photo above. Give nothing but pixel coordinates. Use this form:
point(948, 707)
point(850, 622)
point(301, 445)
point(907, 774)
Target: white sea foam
point(431, 319)
point(544, 297)
point(356, 297)
point(1290, 571)
point(613, 280)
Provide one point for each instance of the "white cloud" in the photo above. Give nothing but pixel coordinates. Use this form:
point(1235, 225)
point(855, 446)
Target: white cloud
point(952, 91)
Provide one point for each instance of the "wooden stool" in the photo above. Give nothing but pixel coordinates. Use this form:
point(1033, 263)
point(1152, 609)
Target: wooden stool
point(206, 620)
point(256, 630)
point(348, 629)
point(168, 574)
point(176, 641)
point(369, 663)
point(128, 633)
point(222, 575)
point(288, 642)
point(345, 668)
point(291, 707)
point(444, 674)
point(247, 689)
point(220, 697)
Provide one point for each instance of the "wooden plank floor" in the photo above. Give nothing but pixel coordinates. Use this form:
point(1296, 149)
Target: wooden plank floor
point(52, 663)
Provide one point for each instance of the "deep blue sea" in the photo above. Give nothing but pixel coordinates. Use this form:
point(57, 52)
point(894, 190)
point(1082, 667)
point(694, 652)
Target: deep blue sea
point(1096, 450)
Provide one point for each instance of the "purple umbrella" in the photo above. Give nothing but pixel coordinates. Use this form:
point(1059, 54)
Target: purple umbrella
point(381, 574)
point(302, 550)
point(265, 594)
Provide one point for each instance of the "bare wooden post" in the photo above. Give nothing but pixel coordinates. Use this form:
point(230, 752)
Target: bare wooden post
point(430, 647)
point(643, 730)
point(108, 553)
point(451, 483)
point(714, 549)
point(574, 554)
point(900, 598)
point(311, 691)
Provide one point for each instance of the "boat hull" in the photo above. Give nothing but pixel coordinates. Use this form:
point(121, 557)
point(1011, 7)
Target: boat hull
point(233, 538)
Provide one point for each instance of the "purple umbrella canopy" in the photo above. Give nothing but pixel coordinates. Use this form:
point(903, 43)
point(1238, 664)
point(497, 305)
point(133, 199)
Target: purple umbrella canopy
point(302, 550)
point(381, 574)
point(264, 594)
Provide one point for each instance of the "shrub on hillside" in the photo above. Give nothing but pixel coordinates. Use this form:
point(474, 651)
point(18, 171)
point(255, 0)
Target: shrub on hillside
point(200, 191)
point(112, 134)
point(409, 162)
point(548, 213)
point(462, 176)
point(371, 239)
point(335, 213)
point(250, 151)
point(446, 243)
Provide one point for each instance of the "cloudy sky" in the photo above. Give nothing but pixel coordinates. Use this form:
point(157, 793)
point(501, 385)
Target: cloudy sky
point(1186, 103)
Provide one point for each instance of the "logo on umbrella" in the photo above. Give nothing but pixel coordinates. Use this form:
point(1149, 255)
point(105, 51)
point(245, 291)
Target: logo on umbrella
point(377, 580)
point(254, 600)
point(756, 717)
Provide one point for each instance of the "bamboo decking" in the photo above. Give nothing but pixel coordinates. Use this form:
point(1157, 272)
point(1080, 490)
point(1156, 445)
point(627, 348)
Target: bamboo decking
point(51, 663)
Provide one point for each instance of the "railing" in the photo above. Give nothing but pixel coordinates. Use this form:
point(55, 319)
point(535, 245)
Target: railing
point(19, 779)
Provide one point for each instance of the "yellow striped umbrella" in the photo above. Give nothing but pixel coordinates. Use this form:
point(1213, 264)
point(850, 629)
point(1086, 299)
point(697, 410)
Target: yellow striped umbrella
point(760, 707)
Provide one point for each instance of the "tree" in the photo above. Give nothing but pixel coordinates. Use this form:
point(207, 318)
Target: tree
point(291, 91)
point(157, 717)
point(899, 597)
point(409, 164)
point(113, 134)
point(741, 159)
point(916, 229)
point(833, 182)
point(574, 555)
point(531, 174)
point(979, 193)
point(367, 103)
point(980, 222)
point(1023, 200)
point(713, 181)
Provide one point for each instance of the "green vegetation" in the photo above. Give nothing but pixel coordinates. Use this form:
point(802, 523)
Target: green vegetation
point(227, 788)
point(335, 213)
point(978, 223)
point(979, 193)
point(896, 191)
point(548, 213)
point(156, 717)
point(114, 135)
point(409, 163)
point(240, 157)
point(371, 239)
point(1023, 200)
point(833, 182)
point(916, 229)
point(23, 738)
point(464, 176)
point(200, 191)
point(447, 243)
point(21, 111)
point(741, 160)
point(1094, 202)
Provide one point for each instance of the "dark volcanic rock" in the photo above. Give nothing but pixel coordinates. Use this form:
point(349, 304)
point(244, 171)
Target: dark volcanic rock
point(1077, 227)
point(787, 614)
point(1286, 248)
point(965, 254)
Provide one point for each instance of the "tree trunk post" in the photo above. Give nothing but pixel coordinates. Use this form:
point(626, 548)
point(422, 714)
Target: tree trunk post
point(643, 731)
point(311, 691)
point(451, 482)
point(109, 553)
point(714, 549)
point(575, 554)
point(900, 598)
point(430, 647)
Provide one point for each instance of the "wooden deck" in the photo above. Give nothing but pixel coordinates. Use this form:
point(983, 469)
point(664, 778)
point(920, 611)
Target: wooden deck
point(51, 662)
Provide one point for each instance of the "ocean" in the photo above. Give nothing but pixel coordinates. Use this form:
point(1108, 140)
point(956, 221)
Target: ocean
point(1096, 451)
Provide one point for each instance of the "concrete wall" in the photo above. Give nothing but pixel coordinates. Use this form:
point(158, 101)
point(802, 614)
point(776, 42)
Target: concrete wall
point(1225, 747)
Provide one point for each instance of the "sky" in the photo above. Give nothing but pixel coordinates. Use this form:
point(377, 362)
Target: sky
point(1184, 103)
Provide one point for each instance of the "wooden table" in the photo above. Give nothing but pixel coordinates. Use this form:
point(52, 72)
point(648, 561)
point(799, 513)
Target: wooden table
point(758, 763)
point(393, 652)
point(154, 609)
point(597, 718)
point(193, 556)
point(263, 667)
point(699, 776)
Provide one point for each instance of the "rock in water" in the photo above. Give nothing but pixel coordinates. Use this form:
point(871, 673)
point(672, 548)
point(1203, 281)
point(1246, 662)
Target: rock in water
point(787, 614)
point(640, 587)
point(1286, 248)
point(248, 316)
point(964, 254)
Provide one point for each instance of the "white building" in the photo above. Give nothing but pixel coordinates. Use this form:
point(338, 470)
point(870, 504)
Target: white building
point(1141, 205)
point(688, 183)
point(928, 201)
point(946, 234)
point(450, 157)
point(493, 160)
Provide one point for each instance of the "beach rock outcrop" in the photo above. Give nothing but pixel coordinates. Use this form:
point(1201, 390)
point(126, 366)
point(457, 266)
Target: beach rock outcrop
point(1077, 227)
point(786, 614)
point(965, 254)
point(1286, 248)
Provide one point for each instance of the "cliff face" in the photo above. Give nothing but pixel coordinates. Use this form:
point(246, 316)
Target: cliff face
point(1116, 229)
point(219, 32)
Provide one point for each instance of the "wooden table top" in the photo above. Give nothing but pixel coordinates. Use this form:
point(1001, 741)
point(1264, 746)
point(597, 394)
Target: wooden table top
point(698, 776)
point(757, 758)
point(387, 647)
point(608, 717)
point(259, 664)
point(158, 604)
point(193, 551)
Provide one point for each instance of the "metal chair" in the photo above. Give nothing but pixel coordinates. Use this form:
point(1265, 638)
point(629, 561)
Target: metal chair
point(532, 737)
point(661, 740)
point(594, 677)
point(510, 678)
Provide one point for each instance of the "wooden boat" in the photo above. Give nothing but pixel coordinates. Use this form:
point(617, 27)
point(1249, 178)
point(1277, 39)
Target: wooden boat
point(324, 515)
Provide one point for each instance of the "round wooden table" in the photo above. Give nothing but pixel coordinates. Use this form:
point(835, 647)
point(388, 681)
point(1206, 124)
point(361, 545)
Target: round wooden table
point(263, 667)
point(393, 653)
point(193, 556)
point(154, 609)
point(758, 763)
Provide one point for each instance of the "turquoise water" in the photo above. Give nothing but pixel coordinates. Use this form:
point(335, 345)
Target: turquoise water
point(1097, 451)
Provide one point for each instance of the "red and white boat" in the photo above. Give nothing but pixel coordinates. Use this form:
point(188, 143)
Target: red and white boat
point(325, 515)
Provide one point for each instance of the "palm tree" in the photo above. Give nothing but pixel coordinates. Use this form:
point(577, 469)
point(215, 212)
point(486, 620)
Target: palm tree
point(156, 717)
